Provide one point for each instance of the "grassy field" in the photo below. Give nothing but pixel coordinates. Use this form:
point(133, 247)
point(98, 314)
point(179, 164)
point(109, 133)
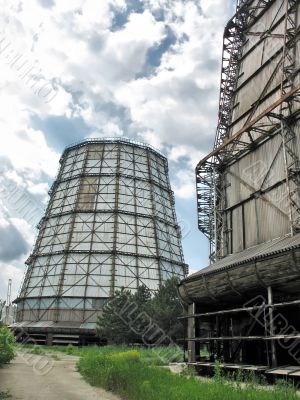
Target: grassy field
point(157, 356)
point(134, 374)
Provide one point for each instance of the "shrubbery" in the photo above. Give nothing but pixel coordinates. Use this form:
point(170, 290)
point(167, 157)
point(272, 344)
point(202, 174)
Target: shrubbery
point(7, 341)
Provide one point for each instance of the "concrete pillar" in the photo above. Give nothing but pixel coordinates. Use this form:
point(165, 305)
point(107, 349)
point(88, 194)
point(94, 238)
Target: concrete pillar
point(49, 339)
point(191, 334)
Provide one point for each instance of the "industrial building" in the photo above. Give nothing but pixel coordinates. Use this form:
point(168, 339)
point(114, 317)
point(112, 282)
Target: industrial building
point(110, 224)
point(244, 306)
point(7, 309)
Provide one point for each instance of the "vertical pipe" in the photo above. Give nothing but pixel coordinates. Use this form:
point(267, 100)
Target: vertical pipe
point(272, 328)
point(191, 334)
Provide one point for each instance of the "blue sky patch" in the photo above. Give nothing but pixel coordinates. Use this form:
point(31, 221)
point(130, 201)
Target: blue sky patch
point(121, 17)
point(60, 131)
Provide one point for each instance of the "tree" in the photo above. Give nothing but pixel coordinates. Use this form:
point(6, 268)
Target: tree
point(122, 318)
point(111, 325)
point(115, 324)
point(142, 297)
point(166, 307)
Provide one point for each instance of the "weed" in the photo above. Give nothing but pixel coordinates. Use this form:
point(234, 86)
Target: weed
point(135, 380)
point(38, 350)
point(70, 349)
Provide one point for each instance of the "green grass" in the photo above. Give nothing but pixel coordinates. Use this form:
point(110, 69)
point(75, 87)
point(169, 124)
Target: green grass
point(129, 374)
point(158, 356)
point(132, 373)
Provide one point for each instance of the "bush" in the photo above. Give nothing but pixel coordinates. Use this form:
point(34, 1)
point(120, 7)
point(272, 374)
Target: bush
point(7, 341)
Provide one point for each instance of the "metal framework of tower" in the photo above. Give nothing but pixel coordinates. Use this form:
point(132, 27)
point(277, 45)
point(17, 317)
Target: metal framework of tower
point(263, 120)
point(110, 224)
point(243, 309)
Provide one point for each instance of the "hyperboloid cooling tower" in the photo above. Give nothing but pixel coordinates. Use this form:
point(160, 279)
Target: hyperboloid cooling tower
point(110, 223)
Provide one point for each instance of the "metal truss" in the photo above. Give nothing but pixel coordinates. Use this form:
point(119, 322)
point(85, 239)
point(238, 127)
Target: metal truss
point(277, 118)
point(144, 176)
point(289, 73)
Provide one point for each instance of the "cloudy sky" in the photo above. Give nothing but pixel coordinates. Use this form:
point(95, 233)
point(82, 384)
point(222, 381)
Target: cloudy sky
point(143, 69)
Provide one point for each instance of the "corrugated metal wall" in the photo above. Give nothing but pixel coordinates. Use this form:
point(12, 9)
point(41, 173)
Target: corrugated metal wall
point(256, 191)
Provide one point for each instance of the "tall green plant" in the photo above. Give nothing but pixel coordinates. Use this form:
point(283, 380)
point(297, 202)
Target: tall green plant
point(7, 341)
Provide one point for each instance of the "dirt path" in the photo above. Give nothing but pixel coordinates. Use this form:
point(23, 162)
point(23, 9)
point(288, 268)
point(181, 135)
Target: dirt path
point(33, 377)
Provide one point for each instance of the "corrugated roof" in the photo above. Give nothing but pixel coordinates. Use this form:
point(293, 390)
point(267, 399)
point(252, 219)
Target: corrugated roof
point(253, 253)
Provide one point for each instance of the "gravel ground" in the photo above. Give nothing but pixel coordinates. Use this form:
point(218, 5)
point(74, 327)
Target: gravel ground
point(36, 377)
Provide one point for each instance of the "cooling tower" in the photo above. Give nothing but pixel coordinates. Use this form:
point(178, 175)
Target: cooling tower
point(110, 224)
point(244, 306)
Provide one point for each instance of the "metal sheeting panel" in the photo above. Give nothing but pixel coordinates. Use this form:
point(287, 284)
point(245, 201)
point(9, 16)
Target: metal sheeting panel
point(259, 62)
point(256, 194)
point(110, 223)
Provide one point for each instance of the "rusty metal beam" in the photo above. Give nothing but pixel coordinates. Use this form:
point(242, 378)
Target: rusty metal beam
point(249, 125)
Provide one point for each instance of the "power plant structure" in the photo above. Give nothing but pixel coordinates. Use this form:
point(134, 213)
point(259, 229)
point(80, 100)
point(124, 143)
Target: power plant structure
point(110, 224)
point(7, 309)
point(244, 307)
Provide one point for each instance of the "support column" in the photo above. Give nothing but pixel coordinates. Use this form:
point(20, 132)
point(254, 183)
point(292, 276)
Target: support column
point(191, 334)
point(49, 339)
point(218, 331)
point(272, 327)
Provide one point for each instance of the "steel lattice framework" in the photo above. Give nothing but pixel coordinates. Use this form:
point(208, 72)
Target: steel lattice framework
point(110, 224)
point(237, 137)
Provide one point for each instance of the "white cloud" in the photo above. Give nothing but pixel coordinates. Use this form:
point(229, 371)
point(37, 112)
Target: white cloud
point(184, 184)
point(28, 151)
point(179, 101)
point(107, 78)
point(38, 189)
